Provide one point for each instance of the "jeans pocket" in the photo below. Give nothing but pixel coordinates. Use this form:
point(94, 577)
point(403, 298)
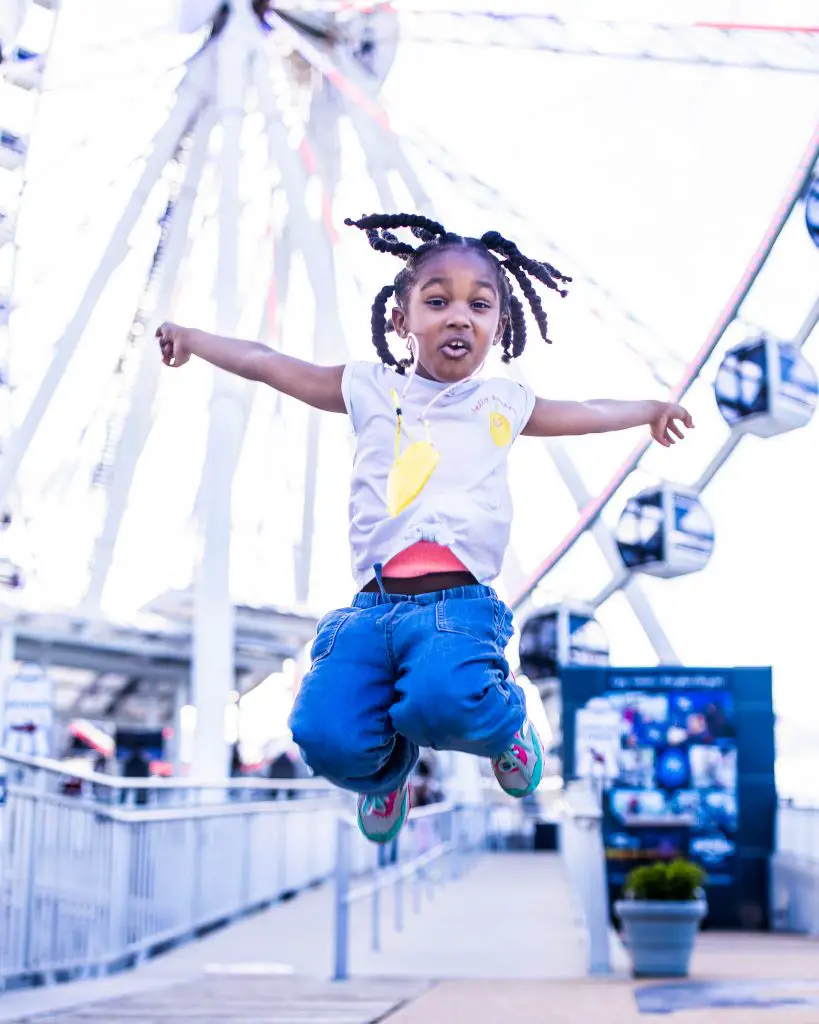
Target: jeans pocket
point(478, 618)
point(326, 633)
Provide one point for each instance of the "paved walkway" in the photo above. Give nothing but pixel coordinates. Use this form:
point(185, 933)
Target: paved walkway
point(510, 919)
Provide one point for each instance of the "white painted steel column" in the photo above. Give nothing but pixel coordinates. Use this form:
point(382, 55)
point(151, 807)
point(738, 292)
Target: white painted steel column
point(213, 639)
point(141, 399)
point(165, 144)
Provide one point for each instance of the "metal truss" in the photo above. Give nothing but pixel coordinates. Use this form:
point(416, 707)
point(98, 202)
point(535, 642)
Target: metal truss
point(710, 44)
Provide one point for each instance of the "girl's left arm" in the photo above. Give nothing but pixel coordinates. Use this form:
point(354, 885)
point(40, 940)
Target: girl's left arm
point(559, 419)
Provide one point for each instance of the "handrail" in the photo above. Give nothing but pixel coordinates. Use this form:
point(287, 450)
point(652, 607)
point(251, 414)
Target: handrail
point(452, 842)
point(50, 766)
point(92, 882)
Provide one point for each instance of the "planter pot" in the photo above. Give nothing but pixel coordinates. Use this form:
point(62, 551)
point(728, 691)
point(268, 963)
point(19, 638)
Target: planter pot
point(660, 935)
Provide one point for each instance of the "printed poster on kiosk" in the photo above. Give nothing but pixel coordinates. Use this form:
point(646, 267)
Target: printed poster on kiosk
point(670, 778)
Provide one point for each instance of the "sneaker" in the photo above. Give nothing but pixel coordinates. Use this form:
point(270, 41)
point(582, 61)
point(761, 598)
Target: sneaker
point(380, 817)
point(519, 768)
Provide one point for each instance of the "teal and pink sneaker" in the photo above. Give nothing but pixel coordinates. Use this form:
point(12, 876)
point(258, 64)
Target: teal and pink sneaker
point(381, 818)
point(519, 768)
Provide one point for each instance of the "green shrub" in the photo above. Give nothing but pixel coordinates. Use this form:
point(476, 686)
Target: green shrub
point(677, 880)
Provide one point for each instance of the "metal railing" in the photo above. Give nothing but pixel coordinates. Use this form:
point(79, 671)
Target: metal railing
point(794, 873)
point(434, 847)
point(581, 848)
point(797, 830)
point(97, 872)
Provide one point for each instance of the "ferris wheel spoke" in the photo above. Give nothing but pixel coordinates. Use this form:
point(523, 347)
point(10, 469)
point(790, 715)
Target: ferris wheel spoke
point(593, 509)
point(757, 47)
point(165, 143)
point(557, 452)
point(625, 326)
point(660, 360)
point(625, 579)
point(377, 133)
point(316, 241)
point(130, 423)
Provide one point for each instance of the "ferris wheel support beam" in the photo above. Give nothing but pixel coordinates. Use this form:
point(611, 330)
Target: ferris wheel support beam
point(165, 143)
point(636, 598)
point(140, 410)
point(213, 670)
point(594, 509)
point(379, 140)
point(317, 245)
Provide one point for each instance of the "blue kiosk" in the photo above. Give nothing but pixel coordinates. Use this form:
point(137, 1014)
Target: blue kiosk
point(685, 760)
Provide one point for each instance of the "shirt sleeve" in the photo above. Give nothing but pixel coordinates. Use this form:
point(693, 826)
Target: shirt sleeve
point(348, 388)
point(524, 404)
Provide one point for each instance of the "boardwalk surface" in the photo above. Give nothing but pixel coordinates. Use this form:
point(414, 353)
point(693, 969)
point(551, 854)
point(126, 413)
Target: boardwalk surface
point(500, 945)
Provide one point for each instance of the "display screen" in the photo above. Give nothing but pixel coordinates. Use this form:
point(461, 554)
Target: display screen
point(667, 760)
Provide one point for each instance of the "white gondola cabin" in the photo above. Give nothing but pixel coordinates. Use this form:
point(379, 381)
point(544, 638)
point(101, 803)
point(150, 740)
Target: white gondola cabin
point(665, 531)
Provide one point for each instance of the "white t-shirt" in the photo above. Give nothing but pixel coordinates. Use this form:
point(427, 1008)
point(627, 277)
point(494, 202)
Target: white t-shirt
point(465, 505)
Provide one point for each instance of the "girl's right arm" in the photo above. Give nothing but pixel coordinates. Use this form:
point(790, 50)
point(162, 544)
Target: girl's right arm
point(319, 386)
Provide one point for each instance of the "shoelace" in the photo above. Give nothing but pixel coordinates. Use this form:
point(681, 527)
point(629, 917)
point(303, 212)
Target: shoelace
point(374, 805)
point(509, 761)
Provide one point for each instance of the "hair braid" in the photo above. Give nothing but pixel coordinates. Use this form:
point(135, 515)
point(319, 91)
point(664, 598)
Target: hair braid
point(378, 322)
point(501, 253)
point(532, 297)
point(389, 244)
point(517, 323)
point(544, 272)
point(399, 220)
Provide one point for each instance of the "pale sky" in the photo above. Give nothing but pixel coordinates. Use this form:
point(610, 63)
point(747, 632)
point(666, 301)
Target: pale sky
point(657, 179)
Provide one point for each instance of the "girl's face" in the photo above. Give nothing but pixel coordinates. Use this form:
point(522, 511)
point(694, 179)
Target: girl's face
point(454, 310)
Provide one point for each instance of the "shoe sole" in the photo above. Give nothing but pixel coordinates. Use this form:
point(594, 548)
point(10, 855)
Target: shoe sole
point(537, 777)
point(387, 837)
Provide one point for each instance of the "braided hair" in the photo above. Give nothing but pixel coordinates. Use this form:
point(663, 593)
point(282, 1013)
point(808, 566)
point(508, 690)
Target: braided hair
point(509, 263)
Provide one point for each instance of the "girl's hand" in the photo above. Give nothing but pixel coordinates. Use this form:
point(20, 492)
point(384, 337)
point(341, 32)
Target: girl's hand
point(664, 424)
point(173, 342)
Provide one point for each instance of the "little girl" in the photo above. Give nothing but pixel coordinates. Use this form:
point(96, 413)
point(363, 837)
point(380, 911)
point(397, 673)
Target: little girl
point(417, 659)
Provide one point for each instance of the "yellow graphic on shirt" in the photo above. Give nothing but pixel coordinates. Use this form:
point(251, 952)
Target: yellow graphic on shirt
point(412, 468)
point(500, 429)
point(409, 474)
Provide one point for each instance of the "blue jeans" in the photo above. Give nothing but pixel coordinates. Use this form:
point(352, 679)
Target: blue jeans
point(396, 672)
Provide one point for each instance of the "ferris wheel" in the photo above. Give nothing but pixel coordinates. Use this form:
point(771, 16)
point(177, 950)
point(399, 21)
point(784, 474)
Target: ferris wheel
point(266, 118)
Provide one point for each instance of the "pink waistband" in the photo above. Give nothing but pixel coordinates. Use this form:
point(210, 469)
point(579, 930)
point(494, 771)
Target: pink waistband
point(422, 558)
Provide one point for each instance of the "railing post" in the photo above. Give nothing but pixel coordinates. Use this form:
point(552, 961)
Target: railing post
point(119, 881)
point(584, 858)
point(376, 917)
point(455, 834)
point(32, 893)
point(342, 903)
point(598, 913)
